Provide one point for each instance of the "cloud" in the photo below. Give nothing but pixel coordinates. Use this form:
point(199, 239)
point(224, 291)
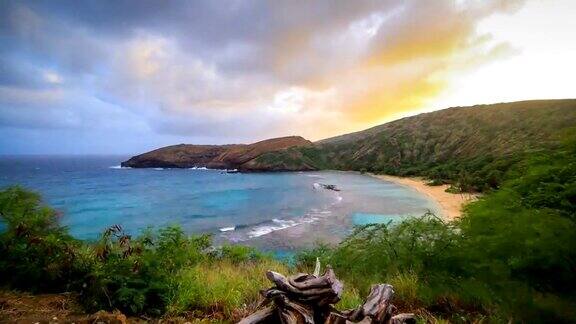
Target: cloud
point(233, 69)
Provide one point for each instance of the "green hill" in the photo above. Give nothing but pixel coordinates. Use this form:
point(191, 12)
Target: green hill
point(470, 147)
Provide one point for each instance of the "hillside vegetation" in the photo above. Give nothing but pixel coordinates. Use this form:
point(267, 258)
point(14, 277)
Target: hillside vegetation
point(470, 147)
point(232, 156)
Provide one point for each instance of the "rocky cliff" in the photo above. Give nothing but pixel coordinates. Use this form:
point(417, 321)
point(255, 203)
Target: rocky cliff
point(236, 156)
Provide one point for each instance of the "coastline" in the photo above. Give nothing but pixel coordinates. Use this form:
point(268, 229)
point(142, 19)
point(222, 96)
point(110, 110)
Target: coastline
point(450, 204)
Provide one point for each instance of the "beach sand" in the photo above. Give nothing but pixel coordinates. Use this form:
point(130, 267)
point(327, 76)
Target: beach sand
point(451, 204)
point(326, 231)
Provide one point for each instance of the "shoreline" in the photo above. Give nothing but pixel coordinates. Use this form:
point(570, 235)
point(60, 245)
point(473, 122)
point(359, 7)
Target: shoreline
point(450, 204)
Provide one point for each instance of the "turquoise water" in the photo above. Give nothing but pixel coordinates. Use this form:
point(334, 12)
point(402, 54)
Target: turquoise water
point(365, 219)
point(92, 193)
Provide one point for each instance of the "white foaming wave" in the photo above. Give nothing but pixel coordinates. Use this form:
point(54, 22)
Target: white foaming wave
point(279, 224)
point(118, 167)
point(209, 169)
point(159, 169)
point(240, 233)
point(310, 220)
point(317, 186)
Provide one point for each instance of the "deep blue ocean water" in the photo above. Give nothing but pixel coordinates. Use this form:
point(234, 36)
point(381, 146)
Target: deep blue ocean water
point(92, 193)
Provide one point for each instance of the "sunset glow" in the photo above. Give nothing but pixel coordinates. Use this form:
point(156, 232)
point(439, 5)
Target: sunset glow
point(109, 77)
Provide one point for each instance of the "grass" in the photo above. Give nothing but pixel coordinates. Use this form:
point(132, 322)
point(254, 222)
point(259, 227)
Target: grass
point(407, 286)
point(351, 299)
point(222, 289)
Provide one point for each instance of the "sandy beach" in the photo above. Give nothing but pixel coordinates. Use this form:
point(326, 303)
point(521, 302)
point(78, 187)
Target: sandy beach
point(451, 204)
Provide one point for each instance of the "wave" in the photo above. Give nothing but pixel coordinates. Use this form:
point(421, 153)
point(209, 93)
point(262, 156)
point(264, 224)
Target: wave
point(210, 169)
point(278, 224)
point(118, 167)
point(245, 232)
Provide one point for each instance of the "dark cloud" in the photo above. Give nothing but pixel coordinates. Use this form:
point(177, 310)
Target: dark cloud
point(214, 70)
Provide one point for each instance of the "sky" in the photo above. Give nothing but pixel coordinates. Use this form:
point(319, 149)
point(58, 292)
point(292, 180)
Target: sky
point(122, 77)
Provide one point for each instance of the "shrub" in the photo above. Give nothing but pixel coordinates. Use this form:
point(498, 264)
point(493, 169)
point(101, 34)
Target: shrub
point(37, 253)
point(137, 275)
point(417, 245)
point(238, 253)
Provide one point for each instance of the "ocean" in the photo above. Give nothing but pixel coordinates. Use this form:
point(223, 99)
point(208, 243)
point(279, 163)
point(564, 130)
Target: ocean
point(273, 211)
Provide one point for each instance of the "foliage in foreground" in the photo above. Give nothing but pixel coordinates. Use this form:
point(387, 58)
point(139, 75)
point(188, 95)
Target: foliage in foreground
point(37, 253)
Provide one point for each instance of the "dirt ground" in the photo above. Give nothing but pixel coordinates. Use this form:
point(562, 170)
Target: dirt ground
point(19, 307)
point(49, 308)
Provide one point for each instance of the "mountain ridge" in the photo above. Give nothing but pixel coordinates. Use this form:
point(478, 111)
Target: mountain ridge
point(229, 156)
point(442, 145)
point(470, 147)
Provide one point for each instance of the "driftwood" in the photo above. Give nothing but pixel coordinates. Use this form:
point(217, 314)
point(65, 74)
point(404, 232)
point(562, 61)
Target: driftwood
point(309, 298)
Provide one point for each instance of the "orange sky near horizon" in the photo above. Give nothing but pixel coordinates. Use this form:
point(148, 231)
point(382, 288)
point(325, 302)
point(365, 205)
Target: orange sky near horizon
point(204, 72)
point(524, 55)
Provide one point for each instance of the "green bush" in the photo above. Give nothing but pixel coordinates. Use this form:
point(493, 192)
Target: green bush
point(238, 253)
point(416, 245)
point(137, 275)
point(37, 253)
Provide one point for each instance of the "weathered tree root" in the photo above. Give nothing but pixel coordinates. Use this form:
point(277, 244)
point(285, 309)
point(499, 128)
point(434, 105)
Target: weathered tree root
point(309, 299)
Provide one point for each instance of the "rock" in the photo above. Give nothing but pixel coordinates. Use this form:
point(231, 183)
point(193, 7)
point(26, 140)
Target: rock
point(243, 157)
point(330, 187)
